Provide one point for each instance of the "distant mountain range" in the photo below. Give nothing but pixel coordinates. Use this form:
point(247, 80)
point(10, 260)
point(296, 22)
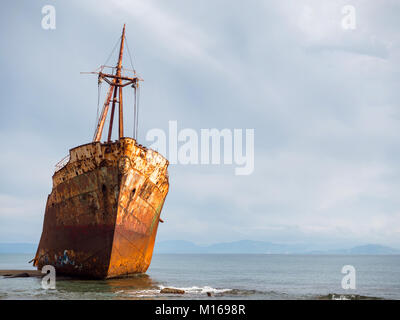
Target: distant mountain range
point(365, 249)
point(244, 246)
point(236, 247)
point(261, 247)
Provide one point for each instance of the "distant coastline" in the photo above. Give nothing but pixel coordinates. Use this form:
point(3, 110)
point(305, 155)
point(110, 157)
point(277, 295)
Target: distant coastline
point(236, 247)
point(261, 247)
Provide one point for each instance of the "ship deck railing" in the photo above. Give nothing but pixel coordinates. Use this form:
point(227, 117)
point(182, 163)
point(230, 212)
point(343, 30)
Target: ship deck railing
point(61, 164)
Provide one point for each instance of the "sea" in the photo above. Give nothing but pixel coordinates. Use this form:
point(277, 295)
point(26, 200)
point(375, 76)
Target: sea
point(224, 276)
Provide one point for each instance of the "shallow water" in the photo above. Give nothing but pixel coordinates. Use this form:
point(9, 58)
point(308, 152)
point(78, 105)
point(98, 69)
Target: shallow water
point(227, 276)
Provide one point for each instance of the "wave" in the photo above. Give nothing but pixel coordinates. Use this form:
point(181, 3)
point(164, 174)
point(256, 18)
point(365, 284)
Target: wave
point(199, 290)
point(196, 292)
point(192, 291)
point(341, 296)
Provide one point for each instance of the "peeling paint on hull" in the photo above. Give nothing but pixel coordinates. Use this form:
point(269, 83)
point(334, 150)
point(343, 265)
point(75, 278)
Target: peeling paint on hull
point(102, 215)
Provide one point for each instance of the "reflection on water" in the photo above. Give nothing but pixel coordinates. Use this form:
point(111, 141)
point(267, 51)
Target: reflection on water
point(110, 288)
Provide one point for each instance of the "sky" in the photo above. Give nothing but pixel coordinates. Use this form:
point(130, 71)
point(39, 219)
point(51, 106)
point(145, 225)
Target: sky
point(323, 101)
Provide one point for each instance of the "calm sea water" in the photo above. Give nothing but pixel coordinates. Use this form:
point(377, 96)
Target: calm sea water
point(225, 277)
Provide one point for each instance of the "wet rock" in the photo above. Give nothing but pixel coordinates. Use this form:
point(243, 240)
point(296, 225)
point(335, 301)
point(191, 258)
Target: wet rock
point(19, 275)
point(172, 290)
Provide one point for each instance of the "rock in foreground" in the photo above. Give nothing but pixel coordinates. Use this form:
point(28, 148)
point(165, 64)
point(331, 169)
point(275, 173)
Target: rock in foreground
point(20, 273)
point(172, 290)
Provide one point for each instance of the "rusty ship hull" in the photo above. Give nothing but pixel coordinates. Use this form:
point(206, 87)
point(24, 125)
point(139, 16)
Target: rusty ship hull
point(102, 215)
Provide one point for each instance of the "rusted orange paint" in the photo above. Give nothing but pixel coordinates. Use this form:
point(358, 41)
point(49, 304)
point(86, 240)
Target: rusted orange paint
point(102, 215)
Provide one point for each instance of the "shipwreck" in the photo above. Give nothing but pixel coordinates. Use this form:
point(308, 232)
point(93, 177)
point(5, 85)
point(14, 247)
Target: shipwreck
point(102, 215)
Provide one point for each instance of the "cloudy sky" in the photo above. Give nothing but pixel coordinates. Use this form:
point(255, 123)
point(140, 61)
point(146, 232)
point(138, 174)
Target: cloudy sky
point(323, 101)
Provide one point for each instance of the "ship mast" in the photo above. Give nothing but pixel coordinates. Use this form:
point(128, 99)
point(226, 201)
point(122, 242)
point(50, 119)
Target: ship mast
point(116, 82)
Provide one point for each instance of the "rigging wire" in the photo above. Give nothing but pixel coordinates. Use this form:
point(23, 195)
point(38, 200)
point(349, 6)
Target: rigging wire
point(109, 57)
point(100, 82)
point(136, 90)
point(137, 112)
point(134, 113)
point(130, 56)
point(98, 101)
point(136, 97)
point(99, 87)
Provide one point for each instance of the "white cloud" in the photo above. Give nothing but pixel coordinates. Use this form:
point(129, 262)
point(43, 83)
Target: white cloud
point(175, 36)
